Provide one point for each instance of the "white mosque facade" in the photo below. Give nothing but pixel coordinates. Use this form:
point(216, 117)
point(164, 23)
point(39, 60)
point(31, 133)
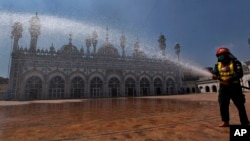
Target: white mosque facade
point(99, 71)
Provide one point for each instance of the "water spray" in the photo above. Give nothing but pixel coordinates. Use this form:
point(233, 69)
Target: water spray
point(56, 29)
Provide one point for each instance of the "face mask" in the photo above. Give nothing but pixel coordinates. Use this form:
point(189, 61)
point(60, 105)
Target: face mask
point(221, 57)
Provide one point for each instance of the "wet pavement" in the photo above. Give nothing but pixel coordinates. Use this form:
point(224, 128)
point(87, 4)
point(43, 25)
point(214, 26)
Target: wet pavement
point(185, 117)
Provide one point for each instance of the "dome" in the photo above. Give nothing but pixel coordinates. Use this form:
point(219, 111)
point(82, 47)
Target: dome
point(107, 49)
point(68, 49)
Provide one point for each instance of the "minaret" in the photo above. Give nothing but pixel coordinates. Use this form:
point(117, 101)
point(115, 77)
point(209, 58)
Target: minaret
point(136, 46)
point(107, 34)
point(88, 44)
point(162, 44)
point(177, 48)
point(70, 39)
point(16, 33)
point(94, 41)
point(123, 44)
point(34, 30)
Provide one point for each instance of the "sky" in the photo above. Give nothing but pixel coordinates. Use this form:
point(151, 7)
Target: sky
point(199, 26)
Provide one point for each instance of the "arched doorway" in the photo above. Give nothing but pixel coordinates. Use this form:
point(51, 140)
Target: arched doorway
point(170, 86)
point(207, 89)
point(130, 87)
point(56, 87)
point(96, 87)
point(157, 86)
point(214, 88)
point(193, 90)
point(144, 87)
point(33, 88)
point(77, 87)
point(114, 87)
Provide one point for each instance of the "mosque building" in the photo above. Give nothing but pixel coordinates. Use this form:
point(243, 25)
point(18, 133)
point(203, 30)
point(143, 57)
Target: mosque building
point(89, 72)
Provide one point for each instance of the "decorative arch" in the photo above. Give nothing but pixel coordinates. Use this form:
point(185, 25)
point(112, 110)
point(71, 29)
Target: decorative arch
point(96, 74)
point(144, 86)
point(158, 87)
point(130, 75)
point(56, 87)
point(130, 86)
point(214, 88)
point(114, 86)
point(207, 89)
point(56, 72)
point(77, 87)
point(157, 75)
point(193, 90)
point(96, 86)
point(145, 75)
point(170, 85)
point(77, 73)
point(33, 72)
point(33, 88)
point(114, 76)
point(27, 75)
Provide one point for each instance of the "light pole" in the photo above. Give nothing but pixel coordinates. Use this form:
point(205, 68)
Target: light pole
point(249, 42)
point(177, 48)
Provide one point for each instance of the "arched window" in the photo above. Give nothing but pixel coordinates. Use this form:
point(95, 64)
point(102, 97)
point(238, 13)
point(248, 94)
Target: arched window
point(214, 88)
point(33, 88)
point(170, 86)
point(144, 87)
point(130, 87)
point(114, 87)
point(207, 89)
point(157, 86)
point(96, 87)
point(193, 90)
point(77, 87)
point(188, 90)
point(56, 87)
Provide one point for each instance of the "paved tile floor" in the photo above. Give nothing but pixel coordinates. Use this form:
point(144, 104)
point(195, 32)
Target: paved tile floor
point(193, 117)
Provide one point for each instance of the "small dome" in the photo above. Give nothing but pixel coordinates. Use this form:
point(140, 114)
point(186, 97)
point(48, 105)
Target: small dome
point(107, 49)
point(139, 54)
point(68, 49)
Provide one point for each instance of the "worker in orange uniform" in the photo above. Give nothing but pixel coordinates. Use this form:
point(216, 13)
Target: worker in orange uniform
point(228, 71)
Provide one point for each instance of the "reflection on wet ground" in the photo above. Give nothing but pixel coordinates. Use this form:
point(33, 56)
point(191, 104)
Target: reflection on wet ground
point(108, 119)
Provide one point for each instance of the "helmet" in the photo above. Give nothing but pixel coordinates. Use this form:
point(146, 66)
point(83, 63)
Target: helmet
point(222, 50)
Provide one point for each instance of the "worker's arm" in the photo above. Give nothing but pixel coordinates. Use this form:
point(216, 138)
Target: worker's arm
point(238, 71)
point(215, 72)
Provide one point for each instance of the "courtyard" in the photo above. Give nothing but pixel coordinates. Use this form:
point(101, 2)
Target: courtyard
point(192, 117)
